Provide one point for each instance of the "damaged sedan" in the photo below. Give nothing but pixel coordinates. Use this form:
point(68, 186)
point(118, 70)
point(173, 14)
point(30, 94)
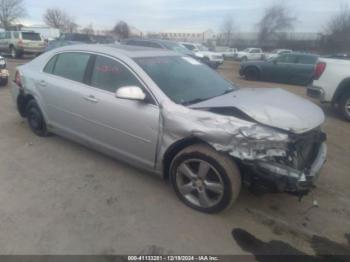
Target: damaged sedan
point(176, 117)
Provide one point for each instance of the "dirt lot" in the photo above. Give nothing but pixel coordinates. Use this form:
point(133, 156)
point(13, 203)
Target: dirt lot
point(58, 197)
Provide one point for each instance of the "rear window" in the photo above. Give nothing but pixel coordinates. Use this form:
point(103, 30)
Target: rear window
point(306, 59)
point(31, 36)
point(71, 66)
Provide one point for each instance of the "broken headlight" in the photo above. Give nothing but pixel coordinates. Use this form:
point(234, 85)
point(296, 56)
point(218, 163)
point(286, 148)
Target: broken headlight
point(258, 132)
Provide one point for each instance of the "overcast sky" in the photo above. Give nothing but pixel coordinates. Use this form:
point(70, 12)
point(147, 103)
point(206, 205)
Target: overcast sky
point(190, 15)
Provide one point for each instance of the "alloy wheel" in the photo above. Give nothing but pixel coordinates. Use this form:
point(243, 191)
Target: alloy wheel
point(347, 107)
point(199, 183)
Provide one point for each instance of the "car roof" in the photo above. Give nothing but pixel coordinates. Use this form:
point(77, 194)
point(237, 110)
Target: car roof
point(127, 50)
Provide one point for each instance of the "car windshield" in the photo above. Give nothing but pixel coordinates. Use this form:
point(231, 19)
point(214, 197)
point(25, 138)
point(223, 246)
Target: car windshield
point(31, 36)
point(177, 48)
point(183, 79)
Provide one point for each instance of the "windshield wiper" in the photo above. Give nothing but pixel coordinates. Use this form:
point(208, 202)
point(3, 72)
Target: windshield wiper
point(198, 100)
point(195, 101)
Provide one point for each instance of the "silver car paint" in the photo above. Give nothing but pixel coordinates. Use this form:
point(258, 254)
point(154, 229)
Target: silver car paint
point(273, 107)
point(164, 123)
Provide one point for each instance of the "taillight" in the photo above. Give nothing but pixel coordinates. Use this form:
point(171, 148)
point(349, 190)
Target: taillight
point(18, 79)
point(319, 69)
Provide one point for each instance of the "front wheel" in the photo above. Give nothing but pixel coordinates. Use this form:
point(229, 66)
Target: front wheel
point(344, 105)
point(205, 179)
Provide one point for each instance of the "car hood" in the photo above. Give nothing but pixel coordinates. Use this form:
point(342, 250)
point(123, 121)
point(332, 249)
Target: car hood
point(273, 107)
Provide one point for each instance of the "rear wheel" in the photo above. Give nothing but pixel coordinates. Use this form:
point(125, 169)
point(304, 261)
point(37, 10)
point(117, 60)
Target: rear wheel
point(15, 53)
point(4, 81)
point(344, 105)
point(252, 73)
point(205, 179)
point(36, 119)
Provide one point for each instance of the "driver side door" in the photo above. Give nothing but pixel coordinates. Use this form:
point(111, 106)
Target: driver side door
point(124, 128)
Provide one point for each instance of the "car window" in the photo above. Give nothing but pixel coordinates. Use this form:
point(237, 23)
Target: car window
point(190, 47)
point(109, 75)
point(50, 65)
point(306, 59)
point(2, 35)
point(287, 58)
point(71, 66)
point(31, 36)
point(16, 35)
point(8, 35)
point(255, 51)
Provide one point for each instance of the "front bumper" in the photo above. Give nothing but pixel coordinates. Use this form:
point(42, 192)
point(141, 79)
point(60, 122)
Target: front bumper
point(315, 92)
point(289, 179)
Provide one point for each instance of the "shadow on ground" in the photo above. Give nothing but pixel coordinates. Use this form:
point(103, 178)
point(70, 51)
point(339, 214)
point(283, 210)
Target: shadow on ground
point(325, 249)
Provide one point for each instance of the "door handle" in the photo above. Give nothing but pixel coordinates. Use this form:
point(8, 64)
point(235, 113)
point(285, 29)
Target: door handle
point(91, 98)
point(42, 83)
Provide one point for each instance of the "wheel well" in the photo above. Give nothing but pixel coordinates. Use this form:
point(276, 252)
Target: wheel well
point(22, 102)
point(342, 88)
point(252, 67)
point(174, 149)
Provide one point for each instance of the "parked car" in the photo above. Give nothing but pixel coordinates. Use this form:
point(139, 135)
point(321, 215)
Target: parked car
point(102, 39)
point(229, 53)
point(293, 68)
point(277, 52)
point(250, 54)
point(332, 84)
point(18, 43)
point(161, 44)
point(212, 59)
point(174, 116)
point(4, 73)
point(70, 39)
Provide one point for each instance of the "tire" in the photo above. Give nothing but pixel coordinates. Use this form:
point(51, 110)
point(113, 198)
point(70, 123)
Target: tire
point(4, 82)
point(36, 119)
point(206, 61)
point(13, 52)
point(252, 73)
point(344, 105)
point(208, 191)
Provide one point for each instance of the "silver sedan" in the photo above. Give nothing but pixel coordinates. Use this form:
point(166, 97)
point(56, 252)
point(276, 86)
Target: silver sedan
point(176, 117)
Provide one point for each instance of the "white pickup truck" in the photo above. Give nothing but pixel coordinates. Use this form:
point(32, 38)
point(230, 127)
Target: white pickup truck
point(332, 84)
point(250, 54)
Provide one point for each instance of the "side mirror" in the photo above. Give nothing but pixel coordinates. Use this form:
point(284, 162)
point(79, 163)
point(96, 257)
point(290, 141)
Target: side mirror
point(131, 93)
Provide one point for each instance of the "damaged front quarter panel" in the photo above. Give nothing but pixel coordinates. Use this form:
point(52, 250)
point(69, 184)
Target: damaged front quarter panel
point(241, 139)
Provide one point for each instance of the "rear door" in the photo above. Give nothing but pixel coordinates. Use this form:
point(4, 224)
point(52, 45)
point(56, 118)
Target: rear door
point(63, 90)
point(126, 128)
point(304, 69)
point(255, 54)
point(283, 68)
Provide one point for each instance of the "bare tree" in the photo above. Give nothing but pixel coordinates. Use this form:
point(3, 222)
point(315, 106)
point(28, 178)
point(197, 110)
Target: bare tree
point(337, 31)
point(121, 30)
point(58, 18)
point(274, 23)
point(55, 17)
point(227, 30)
point(10, 11)
point(89, 30)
